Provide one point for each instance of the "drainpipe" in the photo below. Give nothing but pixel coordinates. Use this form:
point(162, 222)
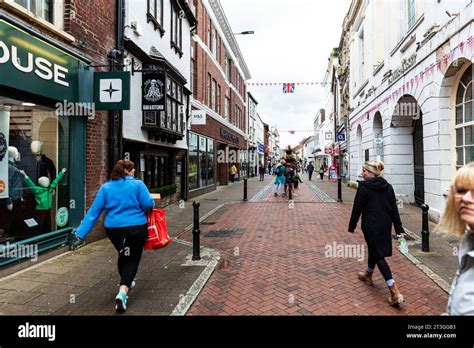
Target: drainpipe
point(115, 64)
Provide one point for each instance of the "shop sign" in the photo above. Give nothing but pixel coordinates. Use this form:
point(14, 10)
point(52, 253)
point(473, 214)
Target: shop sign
point(229, 136)
point(112, 90)
point(336, 151)
point(153, 91)
point(406, 64)
point(328, 150)
point(261, 148)
point(198, 117)
point(62, 217)
point(32, 65)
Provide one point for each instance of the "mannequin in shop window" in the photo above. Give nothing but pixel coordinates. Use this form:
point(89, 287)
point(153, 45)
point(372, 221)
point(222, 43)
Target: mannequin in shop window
point(44, 165)
point(15, 192)
point(44, 198)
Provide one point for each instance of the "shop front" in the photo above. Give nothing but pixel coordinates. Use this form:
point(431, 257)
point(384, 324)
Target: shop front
point(213, 149)
point(154, 129)
point(42, 139)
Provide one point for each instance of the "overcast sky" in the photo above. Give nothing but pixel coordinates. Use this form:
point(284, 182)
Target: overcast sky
point(292, 43)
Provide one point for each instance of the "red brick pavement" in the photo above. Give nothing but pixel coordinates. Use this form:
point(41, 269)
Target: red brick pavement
point(274, 263)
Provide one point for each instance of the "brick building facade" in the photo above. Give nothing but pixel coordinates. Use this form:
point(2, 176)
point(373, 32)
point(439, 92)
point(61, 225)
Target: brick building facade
point(218, 80)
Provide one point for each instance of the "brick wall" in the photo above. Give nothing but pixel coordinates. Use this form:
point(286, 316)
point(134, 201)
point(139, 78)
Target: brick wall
point(204, 65)
point(94, 22)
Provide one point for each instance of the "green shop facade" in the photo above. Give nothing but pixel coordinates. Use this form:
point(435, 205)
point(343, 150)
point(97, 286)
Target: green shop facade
point(41, 132)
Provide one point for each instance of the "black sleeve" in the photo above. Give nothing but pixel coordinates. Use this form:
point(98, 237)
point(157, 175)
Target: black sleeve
point(397, 223)
point(360, 202)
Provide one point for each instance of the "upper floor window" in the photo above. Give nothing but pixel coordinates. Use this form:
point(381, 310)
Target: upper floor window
point(226, 107)
point(464, 120)
point(155, 14)
point(176, 31)
point(361, 57)
point(227, 64)
point(51, 11)
point(411, 12)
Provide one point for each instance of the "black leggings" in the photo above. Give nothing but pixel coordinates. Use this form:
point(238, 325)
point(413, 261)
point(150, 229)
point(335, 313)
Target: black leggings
point(129, 242)
point(383, 267)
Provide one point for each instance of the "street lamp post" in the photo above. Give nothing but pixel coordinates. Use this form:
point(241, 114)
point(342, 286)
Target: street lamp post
point(248, 32)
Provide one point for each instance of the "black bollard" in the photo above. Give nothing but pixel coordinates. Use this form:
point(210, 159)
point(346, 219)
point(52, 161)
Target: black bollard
point(245, 190)
point(425, 233)
point(196, 232)
point(290, 195)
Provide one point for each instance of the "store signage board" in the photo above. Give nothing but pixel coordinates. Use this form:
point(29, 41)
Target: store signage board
point(112, 90)
point(153, 91)
point(198, 117)
point(30, 64)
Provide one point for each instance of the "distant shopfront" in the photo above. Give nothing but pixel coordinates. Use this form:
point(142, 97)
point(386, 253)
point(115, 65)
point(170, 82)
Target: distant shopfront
point(213, 148)
point(38, 79)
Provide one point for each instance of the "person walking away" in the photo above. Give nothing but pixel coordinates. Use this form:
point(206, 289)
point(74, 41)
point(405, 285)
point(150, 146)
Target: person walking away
point(233, 172)
point(290, 175)
point(280, 177)
point(269, 168)
point(296, 180)
point(458, 220)
point(125, 201)
point(310, 169)
point(375, 201)
point(321, 172)
point(261, 171)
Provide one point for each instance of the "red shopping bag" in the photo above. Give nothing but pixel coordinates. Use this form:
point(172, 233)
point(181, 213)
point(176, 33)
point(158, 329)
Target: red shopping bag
point(157, 230)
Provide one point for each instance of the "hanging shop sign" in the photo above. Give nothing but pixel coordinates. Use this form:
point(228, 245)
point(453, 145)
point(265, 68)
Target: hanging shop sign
point(153, 91)
point(112, 90)
point(328, 150)
point(32, 65)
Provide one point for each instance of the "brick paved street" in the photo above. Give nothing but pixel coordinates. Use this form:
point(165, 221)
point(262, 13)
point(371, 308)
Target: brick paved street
point(274, 263)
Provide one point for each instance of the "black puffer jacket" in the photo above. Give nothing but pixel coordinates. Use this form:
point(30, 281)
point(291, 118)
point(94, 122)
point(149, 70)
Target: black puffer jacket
point(375, 200)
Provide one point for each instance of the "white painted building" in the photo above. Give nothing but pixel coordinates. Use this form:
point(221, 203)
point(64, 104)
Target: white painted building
point(322, 139)
point(157, 38)
point(252, 104)
point(410, 72)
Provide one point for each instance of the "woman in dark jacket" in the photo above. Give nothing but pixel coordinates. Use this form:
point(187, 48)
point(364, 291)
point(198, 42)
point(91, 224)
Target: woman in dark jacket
point(375, 201)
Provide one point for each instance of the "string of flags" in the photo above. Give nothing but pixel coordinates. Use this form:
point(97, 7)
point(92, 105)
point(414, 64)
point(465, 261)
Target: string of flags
point(294, 131)
point(287, 87)
point(414, 81)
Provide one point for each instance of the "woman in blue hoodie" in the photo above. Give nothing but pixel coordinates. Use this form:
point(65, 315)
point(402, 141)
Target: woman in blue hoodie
point(125, 201)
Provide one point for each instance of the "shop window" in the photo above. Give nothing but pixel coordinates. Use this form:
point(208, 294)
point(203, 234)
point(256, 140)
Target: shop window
point(201, 161)
point(38, 144)
point(193, 161)
point(159, 174)
point(464, 120)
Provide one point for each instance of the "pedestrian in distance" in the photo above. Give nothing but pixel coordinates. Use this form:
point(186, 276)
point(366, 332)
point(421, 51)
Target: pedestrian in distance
point(375, 201)
point(290, 177)
point(125, 201)
point(296, 180)
point(322, 169)
point(261, 171)
point(269, 168)
point(280, 177)
point(458, 220)
point(310, 170)
point(233, 172)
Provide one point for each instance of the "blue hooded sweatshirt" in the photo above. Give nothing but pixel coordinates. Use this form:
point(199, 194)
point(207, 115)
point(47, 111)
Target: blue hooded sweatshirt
point(124, 201)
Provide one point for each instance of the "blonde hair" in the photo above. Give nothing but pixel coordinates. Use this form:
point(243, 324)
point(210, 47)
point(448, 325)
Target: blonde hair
point(375, 167)
point(451, 221)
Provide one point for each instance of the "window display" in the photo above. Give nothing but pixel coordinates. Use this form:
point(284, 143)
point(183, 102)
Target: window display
point(37, 145)
point(201, 161)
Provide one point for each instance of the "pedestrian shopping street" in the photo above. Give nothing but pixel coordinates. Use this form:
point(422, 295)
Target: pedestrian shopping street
point(266, 256)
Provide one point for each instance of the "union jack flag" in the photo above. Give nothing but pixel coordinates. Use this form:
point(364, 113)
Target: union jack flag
point(288, 88)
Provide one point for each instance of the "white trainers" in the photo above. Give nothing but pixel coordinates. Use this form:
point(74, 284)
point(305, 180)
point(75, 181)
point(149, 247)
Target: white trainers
point(121, 302)
point(134, 283)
